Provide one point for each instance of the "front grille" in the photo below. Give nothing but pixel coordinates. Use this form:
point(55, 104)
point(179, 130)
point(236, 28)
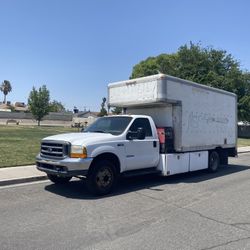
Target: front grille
point(54, 150)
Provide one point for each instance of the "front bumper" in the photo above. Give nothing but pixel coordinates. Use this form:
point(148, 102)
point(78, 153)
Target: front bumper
point(64, 167)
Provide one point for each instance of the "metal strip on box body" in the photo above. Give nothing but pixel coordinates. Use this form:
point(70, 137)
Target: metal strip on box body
point(236, 121)
point(198, 85)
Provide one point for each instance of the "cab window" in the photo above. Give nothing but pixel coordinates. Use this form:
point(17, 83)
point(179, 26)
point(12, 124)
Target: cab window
point(141, 123)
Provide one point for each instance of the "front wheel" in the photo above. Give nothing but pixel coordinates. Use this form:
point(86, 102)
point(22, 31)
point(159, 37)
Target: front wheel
point(58, 179)
point(213, 162)
point(102, 177)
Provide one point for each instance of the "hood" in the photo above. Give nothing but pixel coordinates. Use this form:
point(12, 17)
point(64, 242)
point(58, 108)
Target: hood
point(81, 138)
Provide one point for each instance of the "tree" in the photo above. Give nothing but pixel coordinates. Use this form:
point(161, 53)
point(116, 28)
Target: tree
point(5, 88)
point(103, 110)
point(56, 106)
point(39, 103)
point(244, 108)
point(207, 66)
point(116, 110)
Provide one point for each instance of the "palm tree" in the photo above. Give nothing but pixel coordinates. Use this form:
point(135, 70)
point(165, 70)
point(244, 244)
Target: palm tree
point(5, 88)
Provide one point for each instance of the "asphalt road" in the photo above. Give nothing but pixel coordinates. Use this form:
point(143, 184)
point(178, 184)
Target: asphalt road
point(189, 211)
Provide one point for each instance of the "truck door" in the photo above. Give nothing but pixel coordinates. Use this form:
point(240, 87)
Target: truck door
point(142, 153)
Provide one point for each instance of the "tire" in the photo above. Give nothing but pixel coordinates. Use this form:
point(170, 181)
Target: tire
point(58, 179)
point(102, 177)
point(213, 162)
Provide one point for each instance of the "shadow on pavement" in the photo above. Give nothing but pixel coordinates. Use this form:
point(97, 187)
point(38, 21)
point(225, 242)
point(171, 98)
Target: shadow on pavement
point(77, 190)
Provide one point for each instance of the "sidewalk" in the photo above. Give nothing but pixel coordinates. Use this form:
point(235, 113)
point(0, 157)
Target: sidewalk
point(243, 149)
point(23, 174)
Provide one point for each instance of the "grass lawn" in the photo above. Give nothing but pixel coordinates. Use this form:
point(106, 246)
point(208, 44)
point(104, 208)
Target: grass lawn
point(243, 142)
point(19, 145)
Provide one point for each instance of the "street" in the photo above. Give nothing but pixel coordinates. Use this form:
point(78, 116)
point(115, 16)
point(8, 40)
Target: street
point(188, 211)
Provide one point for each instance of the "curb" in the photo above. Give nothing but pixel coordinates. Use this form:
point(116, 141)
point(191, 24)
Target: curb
point(22, 180)
point(244, 152)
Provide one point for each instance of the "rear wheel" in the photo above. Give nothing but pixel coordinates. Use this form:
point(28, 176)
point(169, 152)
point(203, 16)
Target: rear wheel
point(58, 179)
point(102, 178)
point(213, 162)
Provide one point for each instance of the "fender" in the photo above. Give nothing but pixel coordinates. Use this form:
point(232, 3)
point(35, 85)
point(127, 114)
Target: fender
point(119, 152)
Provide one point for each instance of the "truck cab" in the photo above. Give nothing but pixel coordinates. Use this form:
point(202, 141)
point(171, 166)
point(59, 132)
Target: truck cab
point(111, 146)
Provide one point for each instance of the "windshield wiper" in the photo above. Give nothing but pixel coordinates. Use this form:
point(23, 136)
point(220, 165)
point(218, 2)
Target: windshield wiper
point(98, 131)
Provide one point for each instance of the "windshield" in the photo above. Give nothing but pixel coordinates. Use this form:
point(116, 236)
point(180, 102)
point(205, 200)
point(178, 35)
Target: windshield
point(112, 125)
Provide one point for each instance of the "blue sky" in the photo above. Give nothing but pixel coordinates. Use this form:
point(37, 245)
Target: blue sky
point(77, 47)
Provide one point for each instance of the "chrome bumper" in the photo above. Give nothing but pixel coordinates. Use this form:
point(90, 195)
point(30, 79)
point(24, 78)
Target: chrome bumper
point(64, 167)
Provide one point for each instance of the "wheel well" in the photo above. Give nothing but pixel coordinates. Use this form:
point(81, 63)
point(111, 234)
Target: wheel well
point(110, 157)
point(223, 154)
point(220, 150)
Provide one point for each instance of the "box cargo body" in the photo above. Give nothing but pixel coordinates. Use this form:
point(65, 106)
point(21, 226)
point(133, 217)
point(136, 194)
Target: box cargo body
point(202, 117)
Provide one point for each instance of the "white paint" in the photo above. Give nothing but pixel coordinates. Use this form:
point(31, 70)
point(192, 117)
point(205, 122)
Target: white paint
point(202, 117)
point(131, 90)
point(177, 163)
point(162, 166)
point(142, 93)
point(162, 116)
point(207, 117)
point(141, 154)
point(198, 160)
point(171, 164)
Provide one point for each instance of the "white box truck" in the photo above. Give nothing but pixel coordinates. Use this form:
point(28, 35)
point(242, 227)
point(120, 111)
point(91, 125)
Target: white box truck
point(168, 126)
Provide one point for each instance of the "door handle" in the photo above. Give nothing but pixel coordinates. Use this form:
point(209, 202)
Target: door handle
point(154, 144)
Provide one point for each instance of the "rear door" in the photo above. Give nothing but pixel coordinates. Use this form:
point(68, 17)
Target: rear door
point(142, 153)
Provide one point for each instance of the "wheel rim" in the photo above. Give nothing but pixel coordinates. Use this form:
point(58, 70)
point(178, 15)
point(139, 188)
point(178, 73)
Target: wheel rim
point(104, 178)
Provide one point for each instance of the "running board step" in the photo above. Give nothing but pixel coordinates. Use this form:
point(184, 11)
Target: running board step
point(143, 171)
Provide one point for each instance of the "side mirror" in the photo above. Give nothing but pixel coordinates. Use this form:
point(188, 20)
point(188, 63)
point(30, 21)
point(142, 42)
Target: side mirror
point(130, 135)
point(141, 133)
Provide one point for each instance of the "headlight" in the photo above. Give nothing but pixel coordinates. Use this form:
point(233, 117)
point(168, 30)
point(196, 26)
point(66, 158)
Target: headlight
point(78, 152)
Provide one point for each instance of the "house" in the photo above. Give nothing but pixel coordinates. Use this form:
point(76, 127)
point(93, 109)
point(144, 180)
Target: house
point(4, 107)
point(84, 118)
point(20, 107)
